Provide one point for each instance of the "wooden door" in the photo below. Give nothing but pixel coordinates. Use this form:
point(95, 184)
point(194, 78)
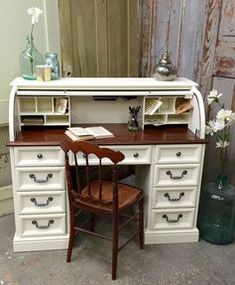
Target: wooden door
point(99, 37)
point(219, 72)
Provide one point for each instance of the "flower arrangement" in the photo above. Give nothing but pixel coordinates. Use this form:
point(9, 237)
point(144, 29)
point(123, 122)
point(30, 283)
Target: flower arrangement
point(220, 127)
point(31, 57)
point(35, 12)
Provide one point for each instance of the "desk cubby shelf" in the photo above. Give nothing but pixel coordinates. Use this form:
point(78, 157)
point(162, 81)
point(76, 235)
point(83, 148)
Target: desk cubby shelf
point(43, 111)
point(163, 110)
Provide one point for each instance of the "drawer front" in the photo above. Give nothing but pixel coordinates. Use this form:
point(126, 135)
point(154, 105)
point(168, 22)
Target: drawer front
point(133, 155)
point(40, 202)
point(39, 156)
point(177, 175)
point(171, 219)
point(174, 197)
point(44, 178)
point(178, 154)
point(41, 225)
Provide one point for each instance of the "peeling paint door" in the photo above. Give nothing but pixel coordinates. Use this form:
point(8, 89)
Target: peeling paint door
point(223, 76)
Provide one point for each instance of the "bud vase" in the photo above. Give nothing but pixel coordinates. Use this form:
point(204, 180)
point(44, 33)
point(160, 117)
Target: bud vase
point(29, 58)
point(217, 212)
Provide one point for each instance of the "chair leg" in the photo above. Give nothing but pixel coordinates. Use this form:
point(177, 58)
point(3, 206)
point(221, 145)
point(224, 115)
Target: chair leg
point(71, 236)
point(92, 222)
point(141, 223)
point(115, 247)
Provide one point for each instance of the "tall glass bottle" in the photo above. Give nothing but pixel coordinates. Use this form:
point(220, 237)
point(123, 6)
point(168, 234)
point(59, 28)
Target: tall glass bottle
point(29, 58)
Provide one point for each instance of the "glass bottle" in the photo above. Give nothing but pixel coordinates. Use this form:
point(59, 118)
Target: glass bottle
point(217, 212)
point(29, 58)
point(53, 63)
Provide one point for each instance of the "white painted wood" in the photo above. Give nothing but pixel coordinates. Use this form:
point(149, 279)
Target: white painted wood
point(28, 229)
point(189, 179)
point(158, 222)
point(178, 154)
point(25, 183)
point(183, 197)
point(43, 243)
point(173, 236)
point(134, 155)
point(42, 203)
point(39, 156)
point(91, 83)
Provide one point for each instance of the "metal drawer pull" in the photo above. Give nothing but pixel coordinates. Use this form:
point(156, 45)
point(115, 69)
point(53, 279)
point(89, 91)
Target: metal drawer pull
point(50, 222)
point(178, 153)
point(176, 177)
point(167, 195)
point(49, 199)
point(172, 220)
point(136, 154)
point(32, 176)
point(39, 155)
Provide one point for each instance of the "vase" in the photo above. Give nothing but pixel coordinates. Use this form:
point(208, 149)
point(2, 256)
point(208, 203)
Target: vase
point(217, 212)
point(53, 63)
point(29, 58)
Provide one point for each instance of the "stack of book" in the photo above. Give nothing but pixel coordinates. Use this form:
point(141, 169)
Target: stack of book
point(82, 134)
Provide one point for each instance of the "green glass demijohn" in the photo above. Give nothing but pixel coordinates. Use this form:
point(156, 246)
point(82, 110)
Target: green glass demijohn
point(217, 212)
point(29, 58)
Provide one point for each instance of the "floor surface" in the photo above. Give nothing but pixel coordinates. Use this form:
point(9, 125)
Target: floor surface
point(169, 264)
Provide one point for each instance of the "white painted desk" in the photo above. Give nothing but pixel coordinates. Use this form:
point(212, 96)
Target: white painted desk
point(168, 159)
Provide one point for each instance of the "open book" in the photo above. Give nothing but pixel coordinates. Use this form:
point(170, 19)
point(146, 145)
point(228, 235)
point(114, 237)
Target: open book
point(78, 133)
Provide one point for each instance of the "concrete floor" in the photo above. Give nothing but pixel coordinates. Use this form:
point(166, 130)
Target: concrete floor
point(173, 264)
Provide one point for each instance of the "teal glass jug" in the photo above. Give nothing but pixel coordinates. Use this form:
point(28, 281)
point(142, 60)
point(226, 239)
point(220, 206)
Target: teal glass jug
point(217, 212)
point(29, 58)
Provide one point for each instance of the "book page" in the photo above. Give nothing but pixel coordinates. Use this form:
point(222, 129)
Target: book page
point(78, 131)
point(99, 132)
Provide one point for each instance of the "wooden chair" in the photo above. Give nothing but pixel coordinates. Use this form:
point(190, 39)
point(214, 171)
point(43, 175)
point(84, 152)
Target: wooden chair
point(110, 198)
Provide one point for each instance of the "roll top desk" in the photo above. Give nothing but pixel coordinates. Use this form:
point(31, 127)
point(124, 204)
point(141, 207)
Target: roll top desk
point(167, 152)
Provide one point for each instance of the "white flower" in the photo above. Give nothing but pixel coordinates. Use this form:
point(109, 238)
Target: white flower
point(222, 144)
point(35, 12)
point(214, 126)
point(213, 96)
point(225, 115)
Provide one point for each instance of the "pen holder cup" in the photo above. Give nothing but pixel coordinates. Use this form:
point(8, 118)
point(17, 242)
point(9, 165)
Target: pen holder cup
point(133, 121)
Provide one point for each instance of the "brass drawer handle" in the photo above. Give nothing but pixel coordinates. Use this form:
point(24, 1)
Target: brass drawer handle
point(49, 199)
point(167, 195)
point(176, 177)
point(39, 155)
point(32, 176)
point(172, 220)
point(136, 155)
point(178, 154)
point(50, 222)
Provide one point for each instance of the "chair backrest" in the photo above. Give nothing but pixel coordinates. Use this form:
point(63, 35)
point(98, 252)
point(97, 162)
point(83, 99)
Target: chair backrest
point(73, 170)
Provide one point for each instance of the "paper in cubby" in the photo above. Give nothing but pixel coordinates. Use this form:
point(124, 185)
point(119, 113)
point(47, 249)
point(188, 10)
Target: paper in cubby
point(152, 105)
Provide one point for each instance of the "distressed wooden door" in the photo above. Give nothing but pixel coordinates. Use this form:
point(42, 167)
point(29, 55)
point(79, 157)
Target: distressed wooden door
point(219, 72)
point(99, 37)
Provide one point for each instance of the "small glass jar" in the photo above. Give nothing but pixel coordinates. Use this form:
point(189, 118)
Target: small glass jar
point(53, 63)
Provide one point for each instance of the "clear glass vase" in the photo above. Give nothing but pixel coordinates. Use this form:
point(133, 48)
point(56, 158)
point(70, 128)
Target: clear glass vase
point(29, 58)
point(216, 221)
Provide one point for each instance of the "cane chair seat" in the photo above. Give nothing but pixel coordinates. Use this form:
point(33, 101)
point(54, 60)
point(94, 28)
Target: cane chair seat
point(127, 196)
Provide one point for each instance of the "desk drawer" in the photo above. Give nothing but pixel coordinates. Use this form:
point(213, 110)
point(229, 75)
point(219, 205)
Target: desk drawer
point(39, 156)
point(178, 154)
point(176, 175)
point(133, 155)
point(174, 197)
point(35, 178)
point(40, 202)
point(171, 219)
point(41, 225)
